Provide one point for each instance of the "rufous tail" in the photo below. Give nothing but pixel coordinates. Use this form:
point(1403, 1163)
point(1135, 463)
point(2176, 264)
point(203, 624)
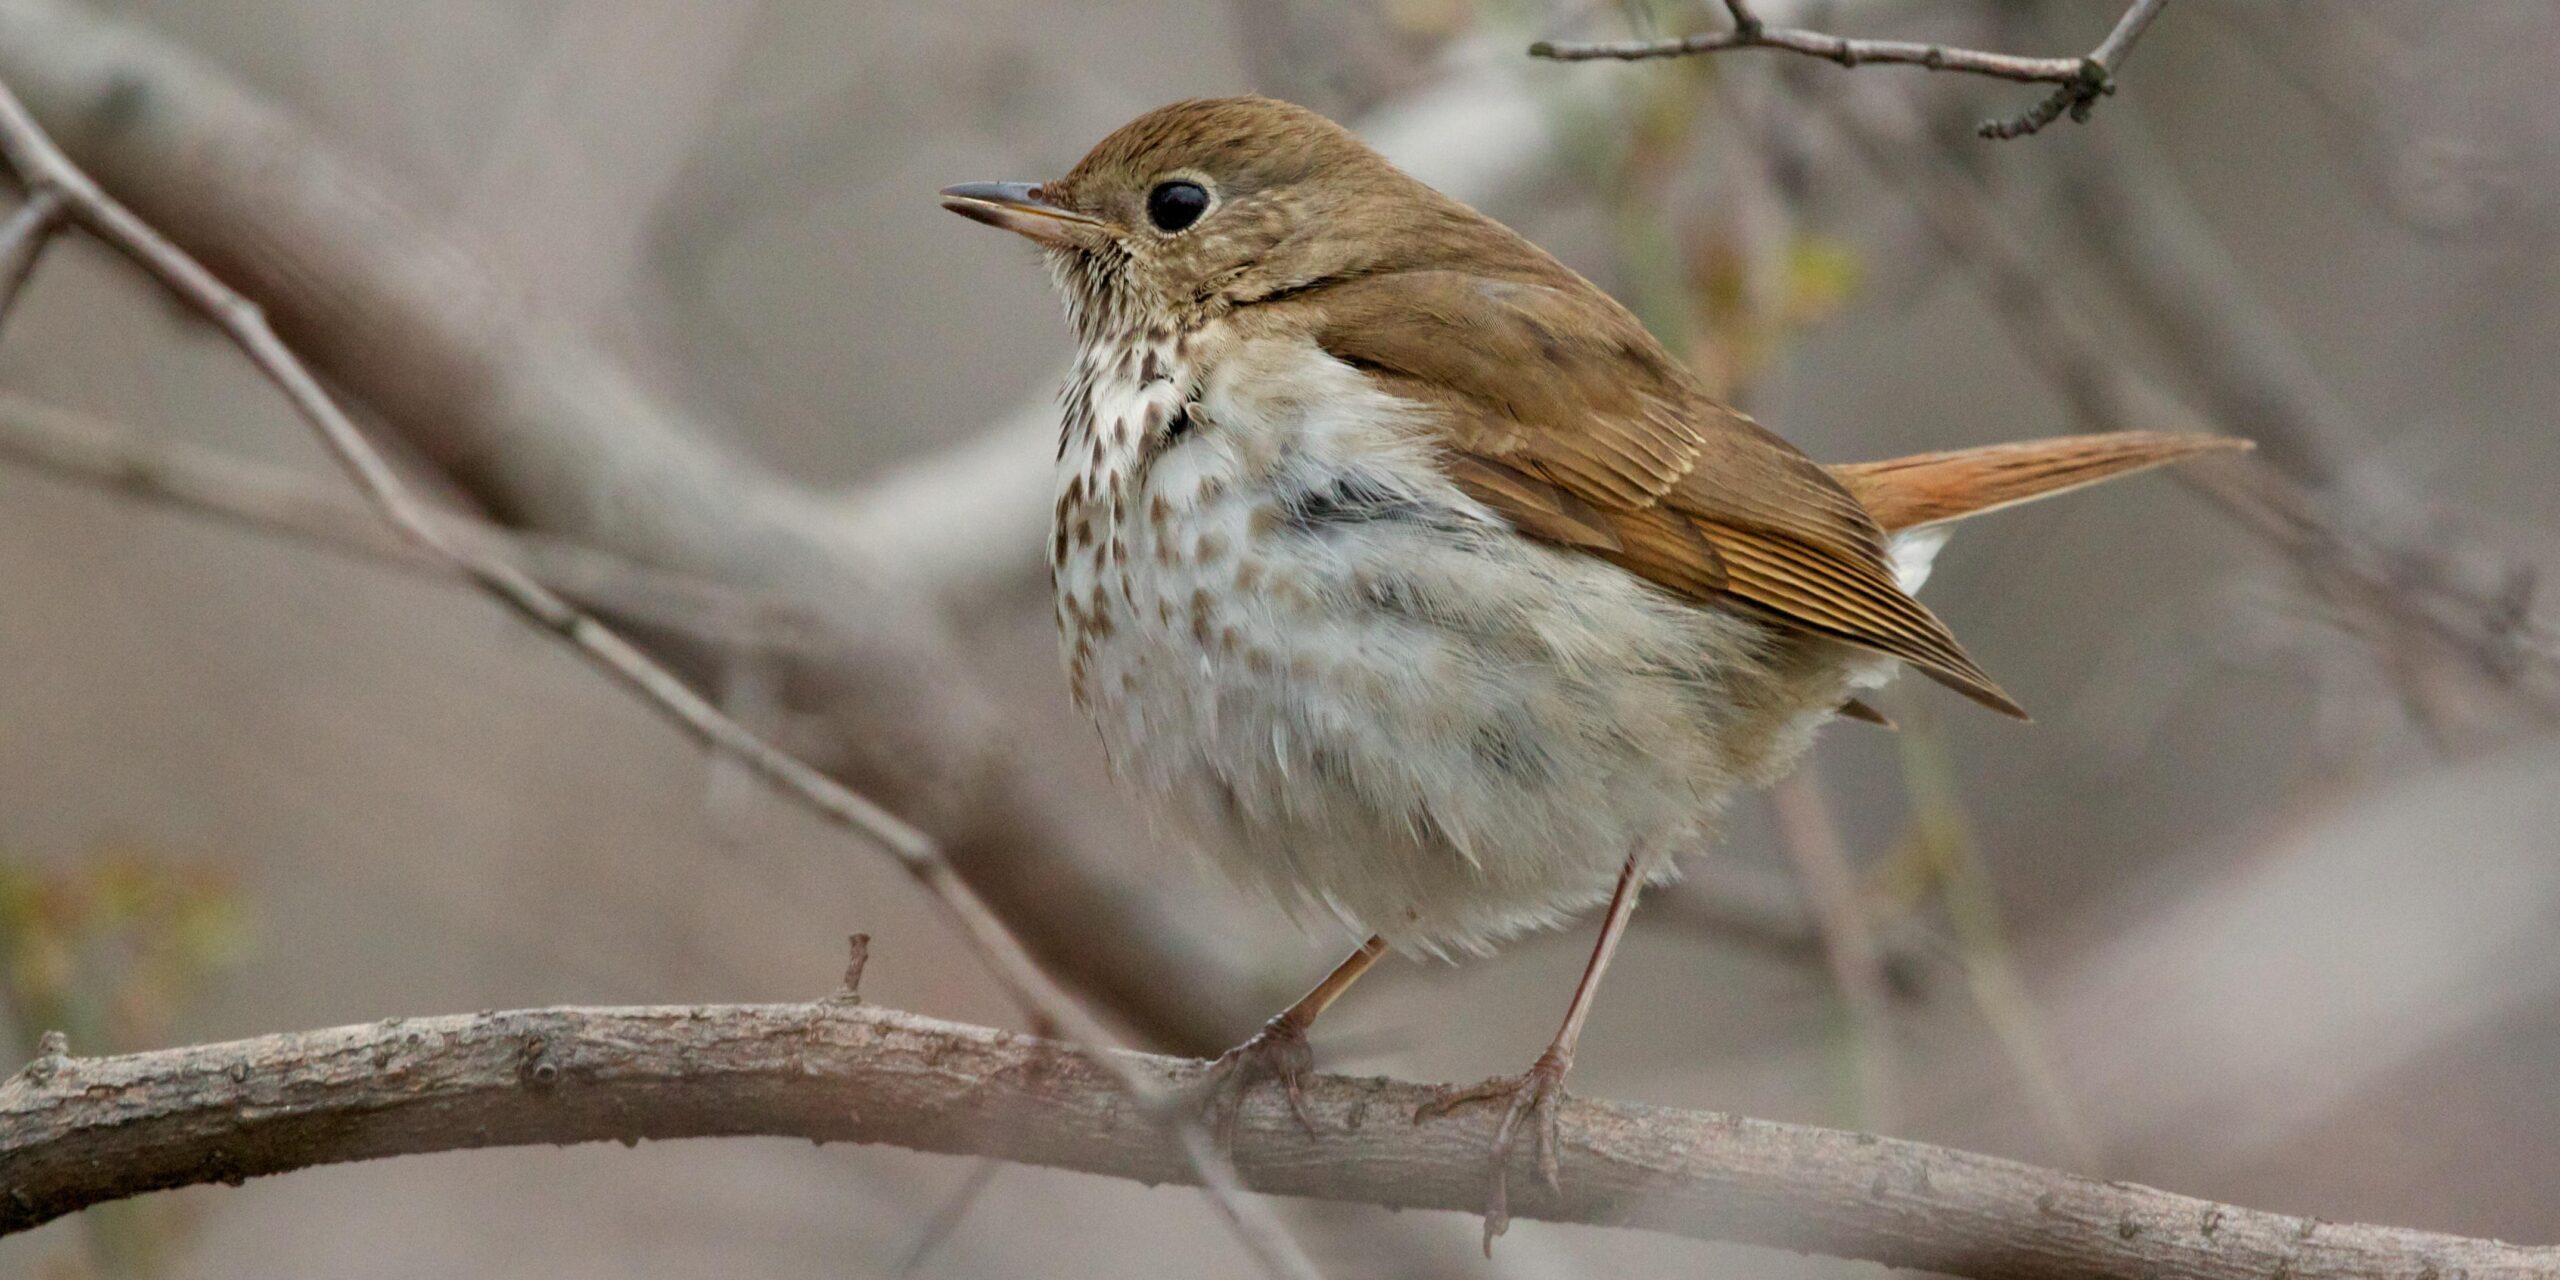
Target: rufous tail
point(1928, 488)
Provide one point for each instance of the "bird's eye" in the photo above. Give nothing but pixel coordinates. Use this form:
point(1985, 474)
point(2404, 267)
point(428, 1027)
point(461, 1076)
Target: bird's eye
point(1175, 205)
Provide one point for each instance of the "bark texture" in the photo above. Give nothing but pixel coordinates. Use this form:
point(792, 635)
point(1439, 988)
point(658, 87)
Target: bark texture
point(75, 1132)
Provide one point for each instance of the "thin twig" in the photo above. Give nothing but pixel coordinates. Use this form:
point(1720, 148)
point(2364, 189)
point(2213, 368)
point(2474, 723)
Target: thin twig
point(1765, 912)
point(280, 502)
point(1830, 48)
point(94, 1129)
point(1813, 845)
point(2097, 78)
point(32, 155)
point(1944, 842)
point(22, 240)
point(948, 1216)
point(2079, 82)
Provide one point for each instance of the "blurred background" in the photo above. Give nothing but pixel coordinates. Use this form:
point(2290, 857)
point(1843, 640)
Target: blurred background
point(2260, 909)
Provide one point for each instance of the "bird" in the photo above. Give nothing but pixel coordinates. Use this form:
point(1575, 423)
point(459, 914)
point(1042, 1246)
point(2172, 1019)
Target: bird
point(1404, 572)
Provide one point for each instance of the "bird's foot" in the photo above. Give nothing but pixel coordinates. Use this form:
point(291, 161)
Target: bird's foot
point(1277, 1052)
point(1530, 1096)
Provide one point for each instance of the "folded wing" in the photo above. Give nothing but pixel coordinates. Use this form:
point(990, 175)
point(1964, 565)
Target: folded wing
point(1559, 411)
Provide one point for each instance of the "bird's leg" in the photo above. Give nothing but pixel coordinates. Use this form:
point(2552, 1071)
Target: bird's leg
point(1533, 1094)
point(1279, 1050)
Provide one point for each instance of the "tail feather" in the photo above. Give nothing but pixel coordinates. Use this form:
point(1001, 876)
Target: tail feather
point(1928, 488)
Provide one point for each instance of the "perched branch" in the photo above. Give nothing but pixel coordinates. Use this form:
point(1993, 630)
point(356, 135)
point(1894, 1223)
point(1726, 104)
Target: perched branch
point(31, 154)
point(79, 1131)
point(2079, 82)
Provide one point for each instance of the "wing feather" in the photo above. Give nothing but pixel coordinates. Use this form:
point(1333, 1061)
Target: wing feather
point(1559, 411)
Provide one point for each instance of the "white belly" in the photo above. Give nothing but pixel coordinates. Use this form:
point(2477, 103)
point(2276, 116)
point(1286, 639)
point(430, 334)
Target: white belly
point(1356, 689)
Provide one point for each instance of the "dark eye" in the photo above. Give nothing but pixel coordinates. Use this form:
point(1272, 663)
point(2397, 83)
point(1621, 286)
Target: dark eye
point(1175, 205)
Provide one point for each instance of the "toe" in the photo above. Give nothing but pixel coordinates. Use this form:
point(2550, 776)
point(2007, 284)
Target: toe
point(1531, 1099)
point(1278, 1052)
point(1293, 1088)
point(1450, 1097)
point(1544, 1118)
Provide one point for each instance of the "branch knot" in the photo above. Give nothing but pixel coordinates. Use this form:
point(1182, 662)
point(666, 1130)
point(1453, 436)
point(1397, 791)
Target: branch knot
point(53, 1053)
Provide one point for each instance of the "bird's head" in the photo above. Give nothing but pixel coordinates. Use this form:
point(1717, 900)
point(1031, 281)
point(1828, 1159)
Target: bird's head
point(1217, 203)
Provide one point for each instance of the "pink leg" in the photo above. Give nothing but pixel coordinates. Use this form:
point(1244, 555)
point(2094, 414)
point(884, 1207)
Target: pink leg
point(1279, 1051)
point(1533, 1094)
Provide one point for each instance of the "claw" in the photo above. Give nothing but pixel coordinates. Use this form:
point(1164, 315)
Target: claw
point(1277, 1052)
point(1532, 1095)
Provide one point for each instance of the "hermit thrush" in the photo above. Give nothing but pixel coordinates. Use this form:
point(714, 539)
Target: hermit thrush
point(1406, 573)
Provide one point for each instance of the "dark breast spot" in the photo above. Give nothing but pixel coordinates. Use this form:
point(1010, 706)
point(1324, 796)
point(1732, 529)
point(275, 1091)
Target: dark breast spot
point(1356, 498)
point(1510, 749)
point(1345, 500)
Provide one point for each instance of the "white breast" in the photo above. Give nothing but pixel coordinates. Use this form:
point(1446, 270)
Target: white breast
point(1351, 683)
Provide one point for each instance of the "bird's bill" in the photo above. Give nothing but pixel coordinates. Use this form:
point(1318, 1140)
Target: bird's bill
point(1018, 208)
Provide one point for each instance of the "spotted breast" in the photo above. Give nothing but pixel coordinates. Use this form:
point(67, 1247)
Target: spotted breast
point(1353, 684)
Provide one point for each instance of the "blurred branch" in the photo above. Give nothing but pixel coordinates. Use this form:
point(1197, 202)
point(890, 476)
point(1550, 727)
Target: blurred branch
point(2362, 540)
point(2079, 82)
point(78, 1131)
point(614, 104)
point(1943, 845)
point(550, 435)
point(2468, 658)
point(2131, 212)
point(282, 503)
point(34, 158)
point(32, 155)
point(1812, 842)
point(1732, 904)
point(22, 240)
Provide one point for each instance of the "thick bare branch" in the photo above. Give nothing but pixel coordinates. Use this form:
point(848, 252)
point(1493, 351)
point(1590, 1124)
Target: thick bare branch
point(2079, 82)
point(75, 1132)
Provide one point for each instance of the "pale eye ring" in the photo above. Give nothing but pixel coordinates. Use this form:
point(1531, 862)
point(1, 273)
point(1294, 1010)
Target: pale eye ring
point(1176, 204)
